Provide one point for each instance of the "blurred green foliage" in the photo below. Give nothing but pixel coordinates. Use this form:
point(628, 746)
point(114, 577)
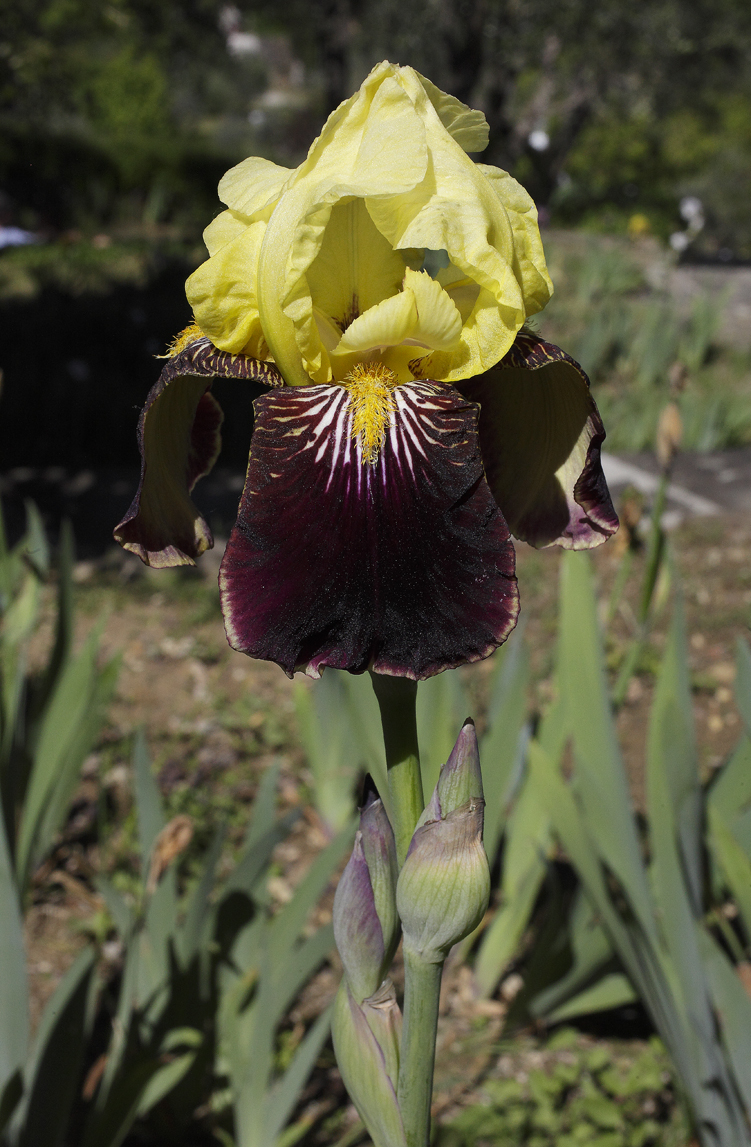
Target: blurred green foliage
point(631, 158)
point(177, 1002)
point(642, 347)
point(103, 107)
point(583, 1095)
point(131, 111)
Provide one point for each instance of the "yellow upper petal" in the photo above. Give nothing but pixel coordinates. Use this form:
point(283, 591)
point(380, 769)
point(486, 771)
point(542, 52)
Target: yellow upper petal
point(253, 185)
point(388, 324)
point(400, 330)
point(530, 267)
point(457, 210)
point(439, 323)
point(468, 127)
point(374, 144)
point(223, 293)
point(355, 267)
point(302, 255)
point(462, 290)
point(223, 230)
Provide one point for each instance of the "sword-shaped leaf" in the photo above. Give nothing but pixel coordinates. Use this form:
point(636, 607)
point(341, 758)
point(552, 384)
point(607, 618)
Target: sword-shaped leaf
point(53, 1069)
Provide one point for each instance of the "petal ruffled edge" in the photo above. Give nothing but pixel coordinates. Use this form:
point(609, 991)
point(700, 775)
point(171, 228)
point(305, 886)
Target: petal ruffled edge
point(530, 267)
point(541, 436)
point(467, 126)
point(179, 439)
point(253, 186)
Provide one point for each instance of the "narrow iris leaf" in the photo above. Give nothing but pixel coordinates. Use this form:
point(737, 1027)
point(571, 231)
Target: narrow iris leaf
point(14, 990)
point(328, 739)
point(730, 793)
point(61, 724)
point(295, 969)
point(284, 1095)
point(600, 775)
point(591, 950)
point(193, 933)
point(365, 717)
point(117, 906)
point(442, 706)
point(52, 1074)
point(101, 689)
point(151, 819)
point(258, 850)
point(735, 865)
point(289, 923)
point(36, 546)
point(503, 746)
point(672, 742)
point(64, 621)
point(743, 682)
point(733, 1007)
point(611, 991)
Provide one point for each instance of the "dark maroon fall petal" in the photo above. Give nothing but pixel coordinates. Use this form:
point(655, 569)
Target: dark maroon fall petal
point(403, 565)
point(541, 434)
point(179, 438)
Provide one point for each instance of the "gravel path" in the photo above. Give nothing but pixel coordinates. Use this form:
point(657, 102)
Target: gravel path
point(702, 484)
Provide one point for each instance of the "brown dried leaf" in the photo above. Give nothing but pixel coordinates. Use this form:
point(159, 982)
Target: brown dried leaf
point(171, 842)
point(669, 434)
point(744, 972)
point(93, 1077)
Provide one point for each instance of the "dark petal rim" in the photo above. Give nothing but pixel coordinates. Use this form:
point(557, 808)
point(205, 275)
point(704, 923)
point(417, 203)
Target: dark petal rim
point(179, 440)
point(403, 566)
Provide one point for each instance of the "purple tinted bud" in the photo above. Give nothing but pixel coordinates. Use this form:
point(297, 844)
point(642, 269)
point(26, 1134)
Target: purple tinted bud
point(379, 847)
point(357, 928)
point(366, 925)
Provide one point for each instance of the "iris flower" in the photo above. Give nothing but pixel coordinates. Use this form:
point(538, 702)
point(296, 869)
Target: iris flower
point(381, 291)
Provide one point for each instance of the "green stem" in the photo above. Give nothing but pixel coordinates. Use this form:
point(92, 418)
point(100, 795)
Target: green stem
point(397, 697)
point(422, 989)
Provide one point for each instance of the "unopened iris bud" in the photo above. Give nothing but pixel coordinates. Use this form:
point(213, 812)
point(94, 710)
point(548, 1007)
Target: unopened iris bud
point(366, 1043)
point(443, 888)
point(366, 925)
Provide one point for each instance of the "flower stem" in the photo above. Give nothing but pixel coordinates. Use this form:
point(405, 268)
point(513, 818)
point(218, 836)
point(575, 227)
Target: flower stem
point(422, 988)
point(397, 697)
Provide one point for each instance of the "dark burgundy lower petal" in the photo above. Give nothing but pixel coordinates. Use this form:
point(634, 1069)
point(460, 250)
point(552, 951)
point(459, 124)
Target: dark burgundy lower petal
point(179, 438)
point(541, 435)
point(404, 565)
